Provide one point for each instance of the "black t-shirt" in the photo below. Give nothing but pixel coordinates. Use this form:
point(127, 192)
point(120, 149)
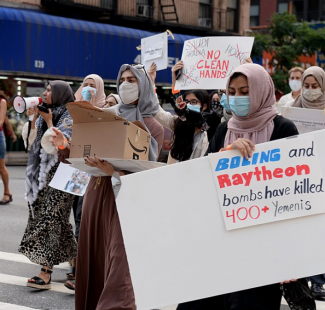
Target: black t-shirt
point(283, 128)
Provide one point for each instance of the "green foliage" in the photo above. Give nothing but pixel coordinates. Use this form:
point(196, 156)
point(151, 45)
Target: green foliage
point(287, 40)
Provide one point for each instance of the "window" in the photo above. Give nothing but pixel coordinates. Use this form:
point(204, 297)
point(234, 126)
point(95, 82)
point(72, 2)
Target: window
point(283, 7)
point(298, 9)
point(232, 15)
point(313, 10)
point(144, 8)
point(254, 13)
point(205, 14)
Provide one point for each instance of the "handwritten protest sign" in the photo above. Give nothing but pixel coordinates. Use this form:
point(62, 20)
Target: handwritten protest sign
point(70, 180)
point(306, 120)
point(282, 180)
point(155, 49)
point(209, 61)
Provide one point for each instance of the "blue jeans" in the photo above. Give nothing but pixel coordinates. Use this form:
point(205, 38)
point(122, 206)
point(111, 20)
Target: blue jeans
point(2, 145)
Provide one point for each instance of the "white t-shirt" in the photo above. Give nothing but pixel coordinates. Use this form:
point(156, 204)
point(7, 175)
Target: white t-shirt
point(284, 99)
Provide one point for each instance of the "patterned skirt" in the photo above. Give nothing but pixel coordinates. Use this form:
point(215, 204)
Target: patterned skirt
point(48, 238)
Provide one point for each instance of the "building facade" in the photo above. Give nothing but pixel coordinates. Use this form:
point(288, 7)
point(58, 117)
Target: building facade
point(307, 10)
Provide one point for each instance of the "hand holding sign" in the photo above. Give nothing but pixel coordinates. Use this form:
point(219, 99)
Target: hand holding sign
point(209, 61)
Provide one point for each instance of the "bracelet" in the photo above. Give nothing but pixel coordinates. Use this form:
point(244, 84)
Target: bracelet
point(228, 148)
point(64, 145)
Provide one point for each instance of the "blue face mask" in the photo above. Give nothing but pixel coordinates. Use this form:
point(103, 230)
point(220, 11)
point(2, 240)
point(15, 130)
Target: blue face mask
point(239, 105)
point(195, 107)
point(224, 102)
point(86, 94)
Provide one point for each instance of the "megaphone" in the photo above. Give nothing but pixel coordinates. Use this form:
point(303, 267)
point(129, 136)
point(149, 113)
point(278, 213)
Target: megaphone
point(21, 104)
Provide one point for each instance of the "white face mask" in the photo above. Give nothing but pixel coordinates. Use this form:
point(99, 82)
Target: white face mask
point(129, 92)
point(295, 85)
point(312, 94)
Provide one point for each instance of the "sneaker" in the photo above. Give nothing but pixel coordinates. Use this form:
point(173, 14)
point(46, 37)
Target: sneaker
point(317, 290)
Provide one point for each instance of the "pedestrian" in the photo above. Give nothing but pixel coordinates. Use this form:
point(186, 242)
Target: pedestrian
point(295, 78)
point(92, 90)
point(102, 276)
point(189, 139)
point(7, 195)
point(250, 92)
point(48, 239)
point(112, 100)
point(313, 97)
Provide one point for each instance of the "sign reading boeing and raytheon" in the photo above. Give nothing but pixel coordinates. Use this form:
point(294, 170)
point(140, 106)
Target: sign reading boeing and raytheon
point(282, 180)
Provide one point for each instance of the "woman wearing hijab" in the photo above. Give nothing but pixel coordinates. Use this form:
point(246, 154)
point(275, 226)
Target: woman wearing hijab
point(92, 90)
point(102, 277)
point(250, 92)
point(313, 90)
point(112, 100)
point(48, 238)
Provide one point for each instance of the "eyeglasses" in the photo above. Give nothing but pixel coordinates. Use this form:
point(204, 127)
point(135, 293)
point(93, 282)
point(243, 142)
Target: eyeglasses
point(141, 66)
point(192, 101)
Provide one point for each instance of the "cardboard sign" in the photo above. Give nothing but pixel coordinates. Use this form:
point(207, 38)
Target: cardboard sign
point(306, 120)
point(105, 134)
point(155, 49)
point(118, 164)
point(209, 61)
point(178, 248)
point(70, 180)
point(282, 180)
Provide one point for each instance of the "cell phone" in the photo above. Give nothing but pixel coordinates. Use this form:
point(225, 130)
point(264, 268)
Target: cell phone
point(43, 109)
point(178, 73)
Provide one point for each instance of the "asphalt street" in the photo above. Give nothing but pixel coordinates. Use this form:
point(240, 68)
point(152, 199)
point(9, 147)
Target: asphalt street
point(15, 268)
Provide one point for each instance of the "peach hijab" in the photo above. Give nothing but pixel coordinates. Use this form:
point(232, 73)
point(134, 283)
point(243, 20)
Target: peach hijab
point(258, 124)
point(100, 96)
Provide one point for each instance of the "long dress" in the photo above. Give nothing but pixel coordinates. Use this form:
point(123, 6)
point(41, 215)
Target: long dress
point(48, 239)
point(102, 275)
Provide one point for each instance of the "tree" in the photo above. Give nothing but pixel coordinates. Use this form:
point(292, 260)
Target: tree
point(287, 40)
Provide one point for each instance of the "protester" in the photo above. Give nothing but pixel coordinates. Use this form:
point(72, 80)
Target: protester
point(48, 239)
point(189, 140)
point(102, 277)
point(112, 100)
point(7, 196)
point(92, 90)
point(295, 76)
point(313, 97)
point(251, 98)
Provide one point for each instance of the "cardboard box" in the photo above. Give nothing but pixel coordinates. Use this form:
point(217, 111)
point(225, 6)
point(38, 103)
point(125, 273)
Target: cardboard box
point(105, 134)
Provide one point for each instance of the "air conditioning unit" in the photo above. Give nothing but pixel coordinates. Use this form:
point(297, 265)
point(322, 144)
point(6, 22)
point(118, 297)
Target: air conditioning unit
point(143, 10)
point(205, 22)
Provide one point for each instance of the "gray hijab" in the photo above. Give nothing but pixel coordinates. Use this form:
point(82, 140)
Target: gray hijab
point(148, 105)
point(302, 102)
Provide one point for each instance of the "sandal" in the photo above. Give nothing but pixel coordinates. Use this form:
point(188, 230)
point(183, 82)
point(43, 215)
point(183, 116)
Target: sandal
point(39, 282)
point(71, 275)
point(70, 285)
point(4, 201)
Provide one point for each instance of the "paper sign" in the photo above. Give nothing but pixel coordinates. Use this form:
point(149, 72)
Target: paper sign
point(70, 180)
point(283, 180)
point(306, 120)
point(209, 61)
point(178, 248)
point(155, 49)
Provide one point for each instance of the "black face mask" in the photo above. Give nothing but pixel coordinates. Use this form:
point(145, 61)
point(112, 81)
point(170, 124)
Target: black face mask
point(217, 108)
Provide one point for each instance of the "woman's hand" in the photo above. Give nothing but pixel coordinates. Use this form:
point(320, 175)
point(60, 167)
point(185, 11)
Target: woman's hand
point(47, 117)
point(58, 138)
point(102, 165)
point(152, 71)
point(93, 98)
point(245, 146)
point(178, 66)
point(32, 111)
point(14, 137)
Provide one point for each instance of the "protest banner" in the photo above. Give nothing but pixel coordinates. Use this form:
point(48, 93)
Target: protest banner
point(70, 180)
point(155, 49)
point(306, 120)
point(281, 181)
point(179, 249)
point(209, 61)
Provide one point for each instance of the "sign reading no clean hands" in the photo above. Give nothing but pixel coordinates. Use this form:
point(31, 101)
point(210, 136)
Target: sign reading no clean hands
point(209, 61)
